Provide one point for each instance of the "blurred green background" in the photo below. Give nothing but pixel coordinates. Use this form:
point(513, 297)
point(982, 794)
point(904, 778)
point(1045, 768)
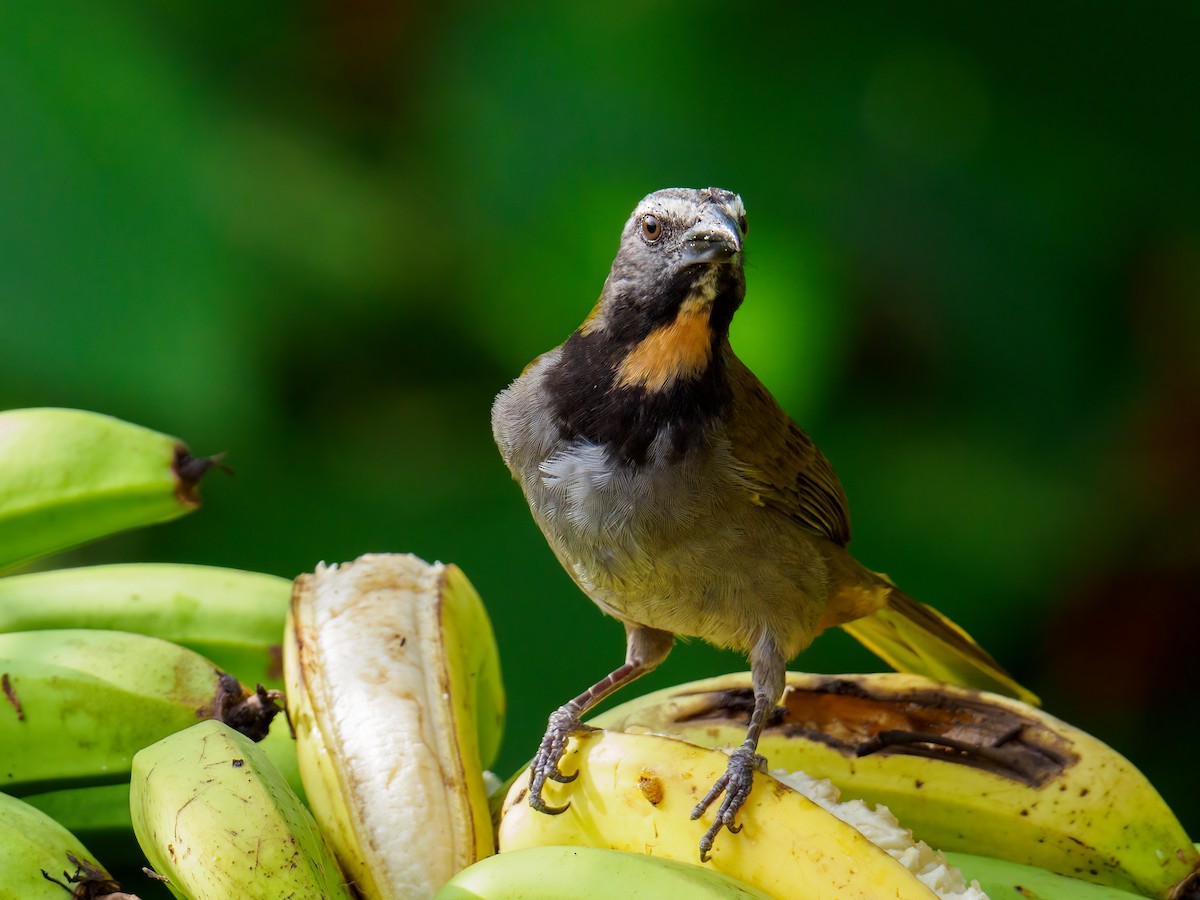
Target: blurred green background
point(321, 236)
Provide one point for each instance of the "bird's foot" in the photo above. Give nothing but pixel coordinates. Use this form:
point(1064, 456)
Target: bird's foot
point(735, 784)
point(564, 722)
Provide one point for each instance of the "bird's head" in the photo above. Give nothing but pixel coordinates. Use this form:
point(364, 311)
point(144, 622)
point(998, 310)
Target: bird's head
point(644, 375)
point(674, 286)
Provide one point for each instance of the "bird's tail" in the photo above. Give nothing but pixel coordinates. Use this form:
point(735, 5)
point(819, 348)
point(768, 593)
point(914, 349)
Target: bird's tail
point(912, 637)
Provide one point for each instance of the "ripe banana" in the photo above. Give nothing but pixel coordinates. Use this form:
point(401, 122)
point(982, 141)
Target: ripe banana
point(77, 704)
point(1005, 880)
point(216, 819)
point(32, 843)
point(635, 792)
point(231, 617)
point(68, 476)
point(552, 873)
point(394, 690)
point(965, 770)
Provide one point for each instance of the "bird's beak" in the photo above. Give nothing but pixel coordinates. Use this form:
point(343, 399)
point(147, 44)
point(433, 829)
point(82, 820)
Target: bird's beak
point(714, 239)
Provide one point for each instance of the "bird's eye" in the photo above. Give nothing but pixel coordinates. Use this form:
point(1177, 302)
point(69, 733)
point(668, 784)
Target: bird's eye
point(744, 225)
point(651, 228)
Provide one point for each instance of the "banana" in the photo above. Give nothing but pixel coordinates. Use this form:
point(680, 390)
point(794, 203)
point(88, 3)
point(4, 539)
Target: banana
point(394, 690)
point(965, 770)
point(216, 819)
point(77, 704)
point(99, 814)
point(231, 617)
point(635, 792)
point(552, 873)
point(41, 860)
point(68, 477)
point(1005, 880)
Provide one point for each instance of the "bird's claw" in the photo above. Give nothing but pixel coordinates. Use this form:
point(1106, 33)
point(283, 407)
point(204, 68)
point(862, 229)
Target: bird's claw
point(564, 722)
point(735, 784)
point(543, 807)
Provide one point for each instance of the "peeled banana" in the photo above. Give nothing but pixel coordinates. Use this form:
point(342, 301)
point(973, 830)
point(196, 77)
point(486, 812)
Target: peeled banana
point(231, 617)
point(635, 792)
point(35, 849)
point(554, 873)
point(965, 770)
point(68, 476)
point(394, 690)
point(76, 704)
point(217, 820)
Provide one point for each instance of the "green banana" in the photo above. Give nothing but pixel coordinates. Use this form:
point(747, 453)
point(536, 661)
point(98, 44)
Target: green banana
point(77, 704)
point(1005, 880)
point(394, 690)
point(216, 819)
point(635, 792)
point(231, 617)
point(552, 873)
point(69, 476)
point(34, 849)
point(965, 770)
point(99, 814)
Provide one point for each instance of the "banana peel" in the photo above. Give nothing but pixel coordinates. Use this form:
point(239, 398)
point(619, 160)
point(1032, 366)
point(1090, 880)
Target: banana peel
point(966, 770)
point(635, 792)
point(394, 690)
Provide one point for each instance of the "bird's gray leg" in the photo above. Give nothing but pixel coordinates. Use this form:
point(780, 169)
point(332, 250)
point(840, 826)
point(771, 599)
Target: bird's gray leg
point(645, 648)
point(768, 671)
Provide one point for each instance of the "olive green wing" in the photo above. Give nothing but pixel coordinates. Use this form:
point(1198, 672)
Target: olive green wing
point(785, 468)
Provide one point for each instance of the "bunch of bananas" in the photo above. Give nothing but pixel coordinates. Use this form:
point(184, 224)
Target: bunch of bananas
point(136, 714)
point(98, 663)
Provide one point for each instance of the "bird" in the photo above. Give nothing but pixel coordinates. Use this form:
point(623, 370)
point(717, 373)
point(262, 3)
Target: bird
point(683, 500)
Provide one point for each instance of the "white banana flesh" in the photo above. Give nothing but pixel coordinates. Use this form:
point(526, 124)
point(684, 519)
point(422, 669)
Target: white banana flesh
point(391, 667)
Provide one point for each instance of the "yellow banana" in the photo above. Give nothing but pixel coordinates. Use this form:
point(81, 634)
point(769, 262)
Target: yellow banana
point(552, 873)
point(965, 770)
point(635, 792)
point(35, 849)
point(76, 704)
point(231, 617)
point(68, 476)
point(391, 667)
point(217, 820)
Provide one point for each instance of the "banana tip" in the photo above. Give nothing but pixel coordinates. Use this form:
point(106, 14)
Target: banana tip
point(190, 469)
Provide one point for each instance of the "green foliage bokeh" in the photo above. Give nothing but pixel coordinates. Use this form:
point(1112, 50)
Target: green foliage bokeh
point(320, 236)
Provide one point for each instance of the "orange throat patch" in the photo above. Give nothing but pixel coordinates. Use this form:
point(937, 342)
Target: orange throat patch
point(671, 353)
